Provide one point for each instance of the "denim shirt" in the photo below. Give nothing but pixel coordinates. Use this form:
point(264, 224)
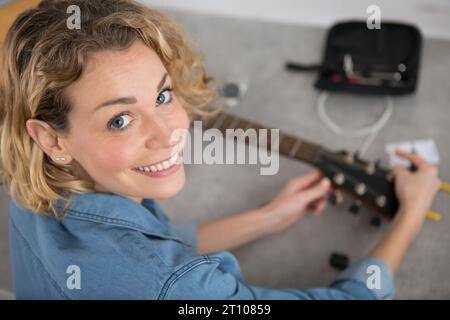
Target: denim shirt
point(110, 247)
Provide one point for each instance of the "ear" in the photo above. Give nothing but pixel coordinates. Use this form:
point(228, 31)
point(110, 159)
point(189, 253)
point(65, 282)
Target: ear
point(48, 140)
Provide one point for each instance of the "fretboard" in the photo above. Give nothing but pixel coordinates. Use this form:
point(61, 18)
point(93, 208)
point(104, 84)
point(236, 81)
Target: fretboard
point(289, 146)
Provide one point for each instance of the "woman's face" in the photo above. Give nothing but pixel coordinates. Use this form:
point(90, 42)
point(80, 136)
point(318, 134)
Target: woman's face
point(124, 116)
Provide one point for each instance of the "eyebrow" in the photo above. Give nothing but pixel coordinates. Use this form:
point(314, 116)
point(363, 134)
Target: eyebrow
point(129, 100)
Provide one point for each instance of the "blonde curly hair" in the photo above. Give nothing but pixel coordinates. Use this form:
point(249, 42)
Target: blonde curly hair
point(42, 57)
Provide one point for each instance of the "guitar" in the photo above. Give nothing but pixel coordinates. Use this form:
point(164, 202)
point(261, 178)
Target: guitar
point(367, 182)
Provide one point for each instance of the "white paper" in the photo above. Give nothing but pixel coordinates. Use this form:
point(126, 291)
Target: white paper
point(425, 148)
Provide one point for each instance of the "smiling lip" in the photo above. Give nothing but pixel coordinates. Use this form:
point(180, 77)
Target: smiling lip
point(163, 173)
point(174, 165)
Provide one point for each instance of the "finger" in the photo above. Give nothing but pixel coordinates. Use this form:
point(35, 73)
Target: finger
point(317, 191)
point(312, 205)
point(302, 182)
point(413, 157)
point(318, 207)
point(399, 170)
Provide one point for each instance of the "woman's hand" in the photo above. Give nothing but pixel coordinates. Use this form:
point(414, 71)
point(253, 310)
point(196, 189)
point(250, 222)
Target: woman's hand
point(301, 195)
point(415, 190)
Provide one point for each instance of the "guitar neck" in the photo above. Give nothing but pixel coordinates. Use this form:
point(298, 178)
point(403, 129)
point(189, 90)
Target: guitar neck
point(289, 146)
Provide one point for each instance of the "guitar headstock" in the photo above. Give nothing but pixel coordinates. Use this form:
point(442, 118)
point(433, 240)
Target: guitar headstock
point(365, 181)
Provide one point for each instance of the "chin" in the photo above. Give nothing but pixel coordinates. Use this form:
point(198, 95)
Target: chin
point(167, 191)
point(162, 195)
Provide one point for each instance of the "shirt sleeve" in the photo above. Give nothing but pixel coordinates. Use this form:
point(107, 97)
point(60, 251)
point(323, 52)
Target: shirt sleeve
point(217, 276)
point(373, 273)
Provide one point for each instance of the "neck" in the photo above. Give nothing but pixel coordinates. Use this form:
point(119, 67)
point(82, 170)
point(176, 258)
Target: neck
point(288, 145)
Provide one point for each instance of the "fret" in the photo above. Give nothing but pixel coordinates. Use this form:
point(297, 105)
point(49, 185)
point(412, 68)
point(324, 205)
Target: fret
point(286, 144)
point(306, 152)
point(294, 149)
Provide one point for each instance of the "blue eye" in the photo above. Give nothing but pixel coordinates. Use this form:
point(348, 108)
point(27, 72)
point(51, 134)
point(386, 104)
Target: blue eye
point(120, 122)
point(164, 97)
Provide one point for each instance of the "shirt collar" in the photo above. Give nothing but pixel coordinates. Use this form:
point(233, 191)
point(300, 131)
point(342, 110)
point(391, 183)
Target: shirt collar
point(121, 211)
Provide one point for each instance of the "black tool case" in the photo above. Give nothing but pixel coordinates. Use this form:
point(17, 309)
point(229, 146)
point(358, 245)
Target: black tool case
point(371, 61)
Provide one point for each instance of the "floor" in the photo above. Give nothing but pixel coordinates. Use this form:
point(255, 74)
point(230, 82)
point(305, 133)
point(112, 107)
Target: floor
point(255, 52)
point(433, 16)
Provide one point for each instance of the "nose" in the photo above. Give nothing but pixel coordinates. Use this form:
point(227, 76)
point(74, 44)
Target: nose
point(160, 134)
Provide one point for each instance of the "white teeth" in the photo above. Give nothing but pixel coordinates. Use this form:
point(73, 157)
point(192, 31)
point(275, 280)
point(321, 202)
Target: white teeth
point(161, 166)
point(166, 164)
point(173, 159)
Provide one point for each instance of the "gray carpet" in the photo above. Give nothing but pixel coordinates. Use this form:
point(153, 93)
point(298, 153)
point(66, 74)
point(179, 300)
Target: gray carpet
point(299, 256)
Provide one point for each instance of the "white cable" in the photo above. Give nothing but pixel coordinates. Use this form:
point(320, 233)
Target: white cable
point(370, 131)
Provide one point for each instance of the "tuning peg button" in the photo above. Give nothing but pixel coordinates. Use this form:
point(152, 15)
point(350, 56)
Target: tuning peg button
point(339, 179)
point(349, 157)
point(370, 168)
point(381, 201)
point(360, 189)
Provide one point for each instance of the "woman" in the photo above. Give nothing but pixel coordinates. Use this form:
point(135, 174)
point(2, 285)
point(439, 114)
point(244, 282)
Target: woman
point(88, 116)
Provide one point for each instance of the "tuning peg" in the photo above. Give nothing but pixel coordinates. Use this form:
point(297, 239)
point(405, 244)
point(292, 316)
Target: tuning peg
point(376, 222)
point(332, 199)
point(339, 261)
point(354, 207)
